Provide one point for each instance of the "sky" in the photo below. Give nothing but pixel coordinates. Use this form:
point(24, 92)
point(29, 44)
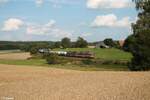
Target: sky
point(51, 20)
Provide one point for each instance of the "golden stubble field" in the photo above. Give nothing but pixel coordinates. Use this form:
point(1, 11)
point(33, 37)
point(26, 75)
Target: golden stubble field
point(15, 56)
point(38, 83)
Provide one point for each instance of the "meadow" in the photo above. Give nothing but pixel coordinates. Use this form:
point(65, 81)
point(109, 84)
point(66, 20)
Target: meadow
point(102, 54)
point(107, 54)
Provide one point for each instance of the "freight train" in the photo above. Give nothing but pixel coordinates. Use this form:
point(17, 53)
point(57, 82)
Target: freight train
point(81, 54)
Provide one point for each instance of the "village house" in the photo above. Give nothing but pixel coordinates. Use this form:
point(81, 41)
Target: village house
point(101, 44)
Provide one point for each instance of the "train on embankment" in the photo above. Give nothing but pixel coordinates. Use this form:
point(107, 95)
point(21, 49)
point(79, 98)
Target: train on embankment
point(77, 54)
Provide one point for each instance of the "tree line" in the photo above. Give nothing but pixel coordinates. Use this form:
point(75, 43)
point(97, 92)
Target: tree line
point(27, 45)
point(64, 43)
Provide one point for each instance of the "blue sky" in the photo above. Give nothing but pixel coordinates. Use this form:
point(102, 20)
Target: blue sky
point(95, 20)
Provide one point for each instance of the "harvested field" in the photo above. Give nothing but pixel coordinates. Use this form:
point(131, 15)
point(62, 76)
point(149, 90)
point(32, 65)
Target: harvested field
point(15, 56)
point(37, 83)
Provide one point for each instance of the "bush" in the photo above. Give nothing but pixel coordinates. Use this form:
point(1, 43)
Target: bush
point(107, 62)
point(87, 61)
point(139, 65)
point(117, 62)
point(52, 59)
point(33, 50)
point(110, 62)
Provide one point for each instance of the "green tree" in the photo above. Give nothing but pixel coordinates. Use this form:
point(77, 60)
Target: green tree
point(34, 48)
point(139, 43)
point(81, 43)
point(111, 43)
point(128, 45)
point(66, 42)
point(57, 45)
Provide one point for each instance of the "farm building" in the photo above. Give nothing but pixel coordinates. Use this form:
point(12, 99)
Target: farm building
point(101, 44)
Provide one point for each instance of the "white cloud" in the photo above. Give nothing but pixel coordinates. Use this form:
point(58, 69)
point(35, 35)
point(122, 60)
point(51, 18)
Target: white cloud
point(39, 2)
point(37, 29)
point(57, 3)
point(111, 20)
point(98, 4)
point(47, 29)
point(86, 34)
point(12, 24)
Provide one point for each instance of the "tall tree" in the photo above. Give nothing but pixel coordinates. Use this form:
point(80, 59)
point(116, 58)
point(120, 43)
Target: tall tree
point(66, 42)
point(139, 43)
point(111, 43)
point(81, 43)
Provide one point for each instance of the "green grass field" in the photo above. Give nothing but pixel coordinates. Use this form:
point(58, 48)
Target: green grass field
point(42, 62)
point(107, 54)
point(9, 51)
point(102, 54)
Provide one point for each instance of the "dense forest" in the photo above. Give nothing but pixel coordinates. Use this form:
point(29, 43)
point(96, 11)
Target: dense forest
point(22, 45)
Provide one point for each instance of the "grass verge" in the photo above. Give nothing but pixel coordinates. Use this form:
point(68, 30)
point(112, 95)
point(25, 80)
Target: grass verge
point(81, 67)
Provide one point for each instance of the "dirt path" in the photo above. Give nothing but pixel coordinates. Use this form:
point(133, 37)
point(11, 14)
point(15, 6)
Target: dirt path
point(36, 83)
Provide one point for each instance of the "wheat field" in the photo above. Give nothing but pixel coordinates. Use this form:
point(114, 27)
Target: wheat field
point(15, 56)
point(38, 83)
